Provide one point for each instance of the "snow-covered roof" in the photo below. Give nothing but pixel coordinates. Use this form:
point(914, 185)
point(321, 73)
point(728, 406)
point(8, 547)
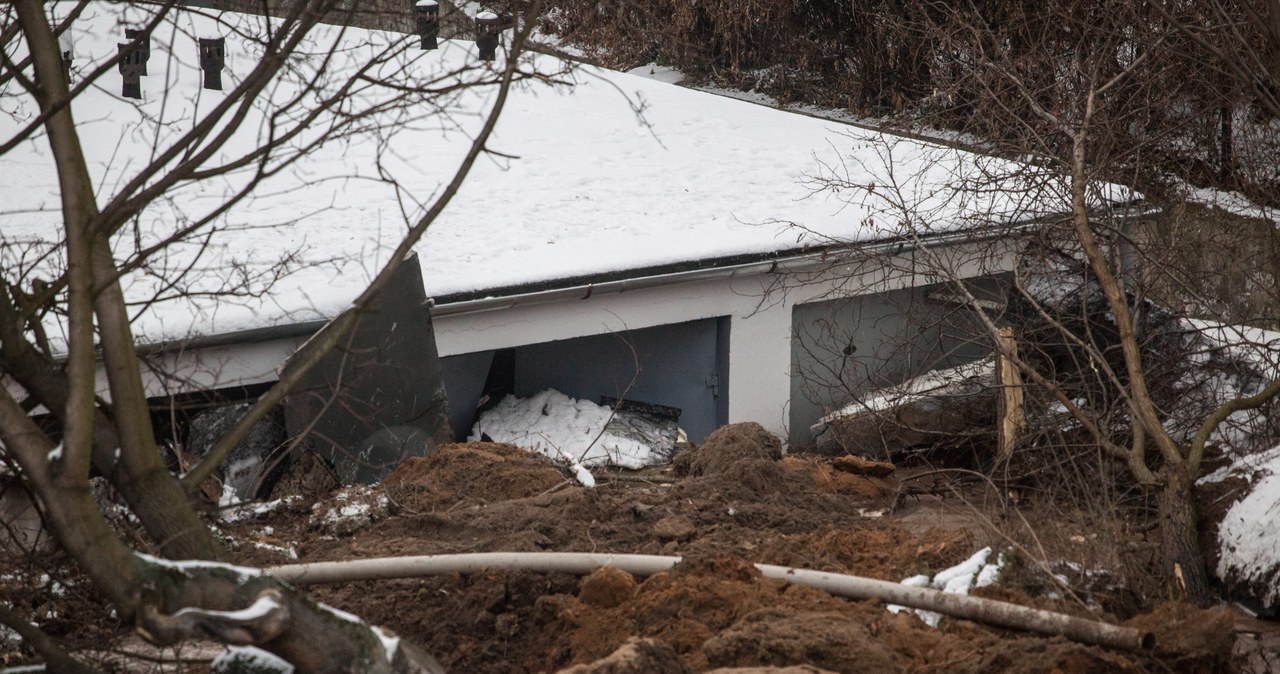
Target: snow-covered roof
point(592, 172)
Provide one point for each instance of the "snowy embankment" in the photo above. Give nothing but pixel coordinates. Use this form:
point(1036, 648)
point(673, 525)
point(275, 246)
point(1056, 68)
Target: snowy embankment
point(578, 432)
point(1248, 539)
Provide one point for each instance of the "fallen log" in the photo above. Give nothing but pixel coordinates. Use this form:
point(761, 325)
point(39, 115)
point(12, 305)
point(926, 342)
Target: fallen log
point(934, 406)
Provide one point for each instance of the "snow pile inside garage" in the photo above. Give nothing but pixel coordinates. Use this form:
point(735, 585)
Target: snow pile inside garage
point(578, 432)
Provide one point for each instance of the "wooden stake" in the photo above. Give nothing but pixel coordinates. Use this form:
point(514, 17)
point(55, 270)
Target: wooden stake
point(1013, 420)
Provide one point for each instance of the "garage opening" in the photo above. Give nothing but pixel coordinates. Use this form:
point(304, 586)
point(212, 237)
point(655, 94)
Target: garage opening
point(845, 347)
point(681, 365)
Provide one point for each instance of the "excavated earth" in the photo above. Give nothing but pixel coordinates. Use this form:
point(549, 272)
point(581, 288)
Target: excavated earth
point(722, 506)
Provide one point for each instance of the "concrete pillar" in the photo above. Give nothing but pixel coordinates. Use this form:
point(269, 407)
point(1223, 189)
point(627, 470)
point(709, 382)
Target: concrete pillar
point(760, 367)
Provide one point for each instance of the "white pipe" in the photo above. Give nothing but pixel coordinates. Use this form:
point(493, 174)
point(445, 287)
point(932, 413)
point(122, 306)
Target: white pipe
point(383, 568)
point(978, 609)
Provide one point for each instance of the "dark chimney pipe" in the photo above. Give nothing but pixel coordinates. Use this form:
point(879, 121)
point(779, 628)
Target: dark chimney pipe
point(427, 15)
point(131, 68)
point(143, 41)
point(488, 28)
point(213, 57)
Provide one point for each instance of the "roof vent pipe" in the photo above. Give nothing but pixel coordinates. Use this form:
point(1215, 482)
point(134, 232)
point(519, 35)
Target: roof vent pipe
point(427, 16)
point(142, 39)
point(213, 56)
point(131, 66)
point(487, 30)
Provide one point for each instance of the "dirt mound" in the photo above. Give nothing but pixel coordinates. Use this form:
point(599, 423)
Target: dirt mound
point(829, 478)
point(778, 636)
point(802, 669)
point(607, 588)
point(713, 610)
point(875, 552)
point(474, 471)
point(732, 445)
point(1190, 638)
point(637, 656)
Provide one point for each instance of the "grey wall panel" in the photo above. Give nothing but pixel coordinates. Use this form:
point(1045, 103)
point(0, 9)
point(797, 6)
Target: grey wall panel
point(464, 376)
point(842, 348)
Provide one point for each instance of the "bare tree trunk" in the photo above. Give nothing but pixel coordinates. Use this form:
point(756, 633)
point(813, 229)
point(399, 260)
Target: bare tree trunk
point(94, 289)
point(151, 491)
point(1179, 544)
point(166, 601)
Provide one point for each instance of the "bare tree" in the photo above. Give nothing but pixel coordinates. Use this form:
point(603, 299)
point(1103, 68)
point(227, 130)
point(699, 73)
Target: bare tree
point(1092, 292)
point(68, 301)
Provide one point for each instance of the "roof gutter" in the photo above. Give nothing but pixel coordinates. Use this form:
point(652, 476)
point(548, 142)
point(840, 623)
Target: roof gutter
point(782, 263)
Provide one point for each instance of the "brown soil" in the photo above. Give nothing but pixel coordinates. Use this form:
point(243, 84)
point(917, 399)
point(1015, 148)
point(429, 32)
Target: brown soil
point(740, 502)
point(713, 610)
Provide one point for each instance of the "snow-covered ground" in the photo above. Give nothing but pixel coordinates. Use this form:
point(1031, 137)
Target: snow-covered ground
point(654, 71)
point(1248, 538)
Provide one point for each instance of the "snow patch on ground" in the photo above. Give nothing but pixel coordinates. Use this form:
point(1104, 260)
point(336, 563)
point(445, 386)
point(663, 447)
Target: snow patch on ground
point(254, 510)
point(973, 572)
point(289, 552)
point(8, 636)
point(249, 659)
point(354, 507)
point(564, 429)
